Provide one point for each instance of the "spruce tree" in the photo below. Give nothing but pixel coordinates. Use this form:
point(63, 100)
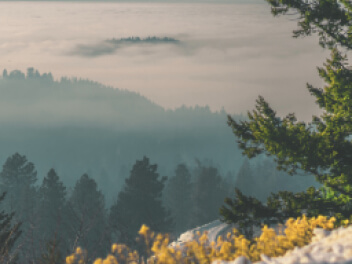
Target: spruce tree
point(87, 226)
point(52, 213)
point(9, 233)
point(52, 254)
point(209, 192)
point(19, 176)
point(247, 212)
point(329, 19)
point(178, 194)
point(140, 203)
point(323, 146)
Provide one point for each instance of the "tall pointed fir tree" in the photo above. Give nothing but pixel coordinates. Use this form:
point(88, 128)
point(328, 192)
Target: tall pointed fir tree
point(87, 218)
point(323, 146)
point(52, 214)
point(18, 177)
point(209, 192)
point(178, 194)
point(9, 233)
point(140, 203)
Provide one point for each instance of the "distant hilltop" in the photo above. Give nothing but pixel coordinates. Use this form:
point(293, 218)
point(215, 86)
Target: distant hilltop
point(153, 40)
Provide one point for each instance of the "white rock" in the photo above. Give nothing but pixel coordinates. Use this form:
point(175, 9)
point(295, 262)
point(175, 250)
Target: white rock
point(319, 233)
point(242, 260)
point(333, 247)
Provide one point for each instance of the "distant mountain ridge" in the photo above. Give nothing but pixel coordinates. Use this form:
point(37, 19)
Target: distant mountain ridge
point(79, 126)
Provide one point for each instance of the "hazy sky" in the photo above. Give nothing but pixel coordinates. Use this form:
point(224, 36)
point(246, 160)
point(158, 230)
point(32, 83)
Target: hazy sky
point(228, 54)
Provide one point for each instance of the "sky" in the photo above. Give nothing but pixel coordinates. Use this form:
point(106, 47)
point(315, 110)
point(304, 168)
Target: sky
point(225, 55)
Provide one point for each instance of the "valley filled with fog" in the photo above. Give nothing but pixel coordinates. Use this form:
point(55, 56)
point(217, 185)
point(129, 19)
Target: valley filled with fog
point(114, 115)
point(219, 48)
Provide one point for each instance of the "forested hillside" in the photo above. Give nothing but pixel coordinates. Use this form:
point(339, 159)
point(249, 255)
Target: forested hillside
point(80, 126)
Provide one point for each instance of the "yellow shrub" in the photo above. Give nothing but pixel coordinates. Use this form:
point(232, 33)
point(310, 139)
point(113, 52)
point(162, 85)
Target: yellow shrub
point(78, 257)
point(297, 233)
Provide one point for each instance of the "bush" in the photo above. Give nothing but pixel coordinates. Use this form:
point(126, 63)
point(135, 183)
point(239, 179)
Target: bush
point(297, 233)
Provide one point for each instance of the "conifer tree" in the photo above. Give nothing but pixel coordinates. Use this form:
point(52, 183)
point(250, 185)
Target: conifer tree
point(18, 177)
point(52, 254)
point(9, 233)
point(329, 19)
point(178, 194)
point(323, 146)
point(247, 212)
point(140, 203)
point(87, 214)
point(320, 147)
point(52, 213)
point(209, 193)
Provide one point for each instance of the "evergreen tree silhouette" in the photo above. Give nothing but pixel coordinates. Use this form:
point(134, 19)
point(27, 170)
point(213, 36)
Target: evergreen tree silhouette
point(140, 203)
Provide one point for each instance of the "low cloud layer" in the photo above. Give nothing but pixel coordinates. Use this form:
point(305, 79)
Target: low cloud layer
point(228, 54)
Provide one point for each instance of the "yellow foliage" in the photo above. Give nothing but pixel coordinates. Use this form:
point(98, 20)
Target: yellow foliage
point(144, 231)
point(298, 232)
point(78, 257)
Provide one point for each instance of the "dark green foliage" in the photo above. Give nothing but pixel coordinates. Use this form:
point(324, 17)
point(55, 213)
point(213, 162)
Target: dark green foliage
point(140, 203)
point(52, 254)
point(19, 176)
point(247, 212)
point(87, 226)
point(330, 19)
point(178, 194)
point(312, 202)
point(263, 178)
point(9, 233)
point(322, 147)
point(209, 193)
point(51, 213)
point(17, 173)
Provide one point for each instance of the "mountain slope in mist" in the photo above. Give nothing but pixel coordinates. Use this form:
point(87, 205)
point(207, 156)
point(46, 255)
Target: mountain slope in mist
point(79, 126)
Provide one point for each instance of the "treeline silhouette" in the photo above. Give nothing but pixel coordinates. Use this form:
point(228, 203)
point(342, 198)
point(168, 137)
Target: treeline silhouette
point(138, 40)
point(52, 220)
point(76, 126)
point(56, 220)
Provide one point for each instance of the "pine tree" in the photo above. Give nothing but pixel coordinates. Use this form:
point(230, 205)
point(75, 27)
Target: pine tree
point(247, 212)
point(178, 194)
point(322, 147)
point(329, 19)
point(19, 177)
point(87, 218)
point(51, 212)
point(9, 233)
point(52, 254)
point(209, 193)
point(140, 203)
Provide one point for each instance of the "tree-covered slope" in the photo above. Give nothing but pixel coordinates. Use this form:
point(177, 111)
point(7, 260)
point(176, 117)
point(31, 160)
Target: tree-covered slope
point(79, 126)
